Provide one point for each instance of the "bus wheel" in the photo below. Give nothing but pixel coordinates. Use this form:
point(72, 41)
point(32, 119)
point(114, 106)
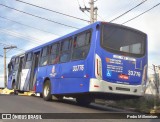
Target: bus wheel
point(15, 92)
point(84, 101)
point(47, 91)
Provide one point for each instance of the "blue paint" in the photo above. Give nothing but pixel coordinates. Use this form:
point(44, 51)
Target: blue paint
point(66, 81)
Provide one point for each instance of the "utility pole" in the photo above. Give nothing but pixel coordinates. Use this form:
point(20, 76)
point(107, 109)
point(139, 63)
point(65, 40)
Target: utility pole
point(159, 77)
point(156, 86)
point(5, 71)
point(93, 11)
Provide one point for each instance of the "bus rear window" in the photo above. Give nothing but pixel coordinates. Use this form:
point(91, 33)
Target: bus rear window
point(122, 40)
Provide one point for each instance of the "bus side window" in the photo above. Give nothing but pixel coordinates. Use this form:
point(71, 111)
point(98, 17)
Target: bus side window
point(54, 54)
point(88, 38)
point(81, 46)
point(16, 63)
point(44, 56)
point(65, 50)
point(17, 60)
point(9, 68)
point(28, 63)
point(13, 63)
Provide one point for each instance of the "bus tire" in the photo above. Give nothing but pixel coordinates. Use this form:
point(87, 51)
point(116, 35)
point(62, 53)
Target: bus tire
point(41, 95)
point(15, 92)
point(47, 96)
point(83, 101)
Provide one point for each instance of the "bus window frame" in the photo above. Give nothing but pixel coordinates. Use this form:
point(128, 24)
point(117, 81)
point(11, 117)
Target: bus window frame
point(52, 54)
point(27, 61)
point(30, 58)
point(16, 64)
point(47, 56)
point(110, 50)
point(11, 66)
point(59, 53)
point(89, 45)
point(69, 51)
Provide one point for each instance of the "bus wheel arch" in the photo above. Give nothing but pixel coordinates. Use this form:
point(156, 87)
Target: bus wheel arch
point(47, 96)
point(14, 87)
point(13, 84)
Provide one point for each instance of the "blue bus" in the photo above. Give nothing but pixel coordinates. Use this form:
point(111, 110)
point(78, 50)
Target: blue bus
point(102, 60)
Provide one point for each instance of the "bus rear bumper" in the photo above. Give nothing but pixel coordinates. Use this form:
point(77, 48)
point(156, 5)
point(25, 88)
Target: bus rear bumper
point(101, 86)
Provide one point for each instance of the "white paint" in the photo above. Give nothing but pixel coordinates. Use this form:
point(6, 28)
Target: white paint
point(134, 73)
point(124, 58)
point(23, 78)
point(78, 68)
point(104, 87)
point(53, 72)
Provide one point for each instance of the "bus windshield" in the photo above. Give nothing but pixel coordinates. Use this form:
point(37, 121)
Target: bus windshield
point(118, 39)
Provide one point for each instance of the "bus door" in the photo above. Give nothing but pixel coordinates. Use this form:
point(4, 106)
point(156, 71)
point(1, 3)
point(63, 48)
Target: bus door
point(34, 70)
point(19, 72)
point(26, 72)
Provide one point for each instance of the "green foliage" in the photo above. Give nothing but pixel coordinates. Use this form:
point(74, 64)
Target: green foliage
point(142, 104)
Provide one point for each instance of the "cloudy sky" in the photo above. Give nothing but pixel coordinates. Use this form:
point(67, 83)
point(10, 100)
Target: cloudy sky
point(25, 36)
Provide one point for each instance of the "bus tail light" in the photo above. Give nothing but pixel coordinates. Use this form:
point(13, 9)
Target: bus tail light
point(86, 76)
point(98, 67)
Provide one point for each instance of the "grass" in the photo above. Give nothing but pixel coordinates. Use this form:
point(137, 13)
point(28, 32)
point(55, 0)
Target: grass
point(143, 104)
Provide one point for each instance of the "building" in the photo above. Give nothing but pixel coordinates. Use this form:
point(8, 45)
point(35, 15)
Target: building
point(151, 84)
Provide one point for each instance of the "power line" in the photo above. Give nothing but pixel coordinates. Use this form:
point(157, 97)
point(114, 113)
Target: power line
point(14, 35)
point(28, 37)
point(101, 17)
point(128, 11)
point(141, 14)
point(83, 11)
point(85, 7)
point(40, 17)
point(93, 10)
point(84, 3)
point(78, 3)
point(53, 11)
point(3, 44)
point(86, 14)
point(18, 35)
point(27, 25)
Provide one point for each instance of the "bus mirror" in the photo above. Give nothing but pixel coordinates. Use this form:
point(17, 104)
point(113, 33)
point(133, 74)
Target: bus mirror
point(8, 65)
